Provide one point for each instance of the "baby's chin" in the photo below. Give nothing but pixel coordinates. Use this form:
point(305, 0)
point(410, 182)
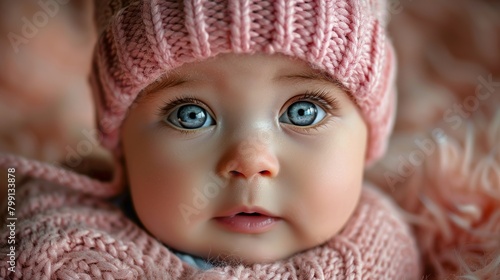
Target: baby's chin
point(222, 247)
point(250, 256)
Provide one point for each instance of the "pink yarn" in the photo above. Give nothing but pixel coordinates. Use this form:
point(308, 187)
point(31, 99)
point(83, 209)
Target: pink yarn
point(63, 234)
point(141, 41)
point(72, 180)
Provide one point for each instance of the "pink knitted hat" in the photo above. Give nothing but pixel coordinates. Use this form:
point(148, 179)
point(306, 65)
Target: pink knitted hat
point(142, 40)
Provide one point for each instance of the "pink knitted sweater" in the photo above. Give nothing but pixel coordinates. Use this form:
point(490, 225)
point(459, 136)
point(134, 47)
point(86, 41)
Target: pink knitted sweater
point(64, 234)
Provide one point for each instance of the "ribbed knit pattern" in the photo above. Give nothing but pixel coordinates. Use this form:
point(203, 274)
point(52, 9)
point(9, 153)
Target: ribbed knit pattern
point(58, 175)
point(141, 41)
point(63, 234)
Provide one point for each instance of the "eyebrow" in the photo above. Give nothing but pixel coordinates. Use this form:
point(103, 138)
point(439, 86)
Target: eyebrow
point(310, 76)
point(162, 82)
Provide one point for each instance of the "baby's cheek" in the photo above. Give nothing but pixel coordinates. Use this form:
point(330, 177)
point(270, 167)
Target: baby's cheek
point(329, 199)
point(158, 205)
point(158, 187)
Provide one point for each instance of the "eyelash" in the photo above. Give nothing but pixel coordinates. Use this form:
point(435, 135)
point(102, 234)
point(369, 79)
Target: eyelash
point(321, 97)
point(170, 105)
point(173, 103)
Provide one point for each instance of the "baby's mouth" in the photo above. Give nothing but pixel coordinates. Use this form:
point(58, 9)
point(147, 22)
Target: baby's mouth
point(247, 222)
point(249, 214)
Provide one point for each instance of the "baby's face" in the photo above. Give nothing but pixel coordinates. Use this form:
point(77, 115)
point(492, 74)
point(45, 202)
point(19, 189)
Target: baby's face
point(246, 158)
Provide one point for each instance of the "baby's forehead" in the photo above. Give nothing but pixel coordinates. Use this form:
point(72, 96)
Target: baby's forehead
point(275, 68)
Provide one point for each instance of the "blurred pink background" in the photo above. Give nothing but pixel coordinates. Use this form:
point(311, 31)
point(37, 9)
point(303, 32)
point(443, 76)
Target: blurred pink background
point(44, 96)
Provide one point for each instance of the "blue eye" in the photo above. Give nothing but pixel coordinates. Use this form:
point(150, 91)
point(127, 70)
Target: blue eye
point(303, 113)
point(190, 117)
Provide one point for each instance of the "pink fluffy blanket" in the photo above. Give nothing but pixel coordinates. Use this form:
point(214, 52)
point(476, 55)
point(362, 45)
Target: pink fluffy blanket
point(443, 164)
point(448, 181)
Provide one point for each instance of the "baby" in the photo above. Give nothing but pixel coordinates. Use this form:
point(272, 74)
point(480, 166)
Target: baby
point(255, 155)
point(244, 128)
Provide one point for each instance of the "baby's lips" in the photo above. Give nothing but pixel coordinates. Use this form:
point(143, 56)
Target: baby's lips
point(247, 220)
point(247, 210)
point(247, 224)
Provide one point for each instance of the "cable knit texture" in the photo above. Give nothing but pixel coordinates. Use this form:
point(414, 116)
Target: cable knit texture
point(65, 234)
point(141, 41)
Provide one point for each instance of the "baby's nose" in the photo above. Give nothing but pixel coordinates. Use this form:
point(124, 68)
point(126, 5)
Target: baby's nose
point(250, 157)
